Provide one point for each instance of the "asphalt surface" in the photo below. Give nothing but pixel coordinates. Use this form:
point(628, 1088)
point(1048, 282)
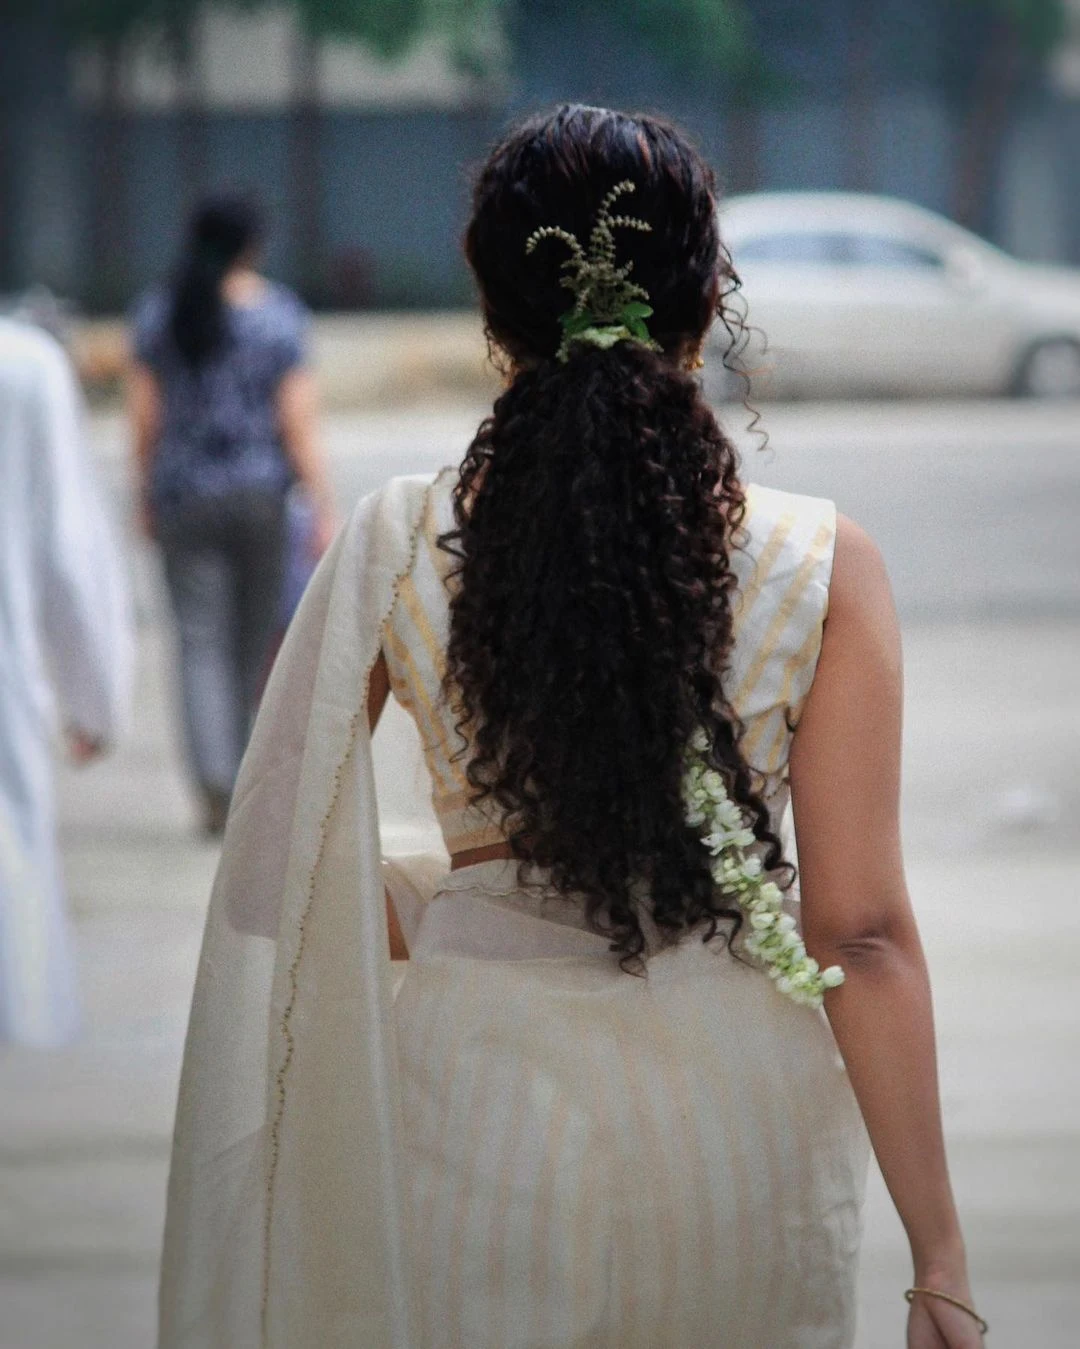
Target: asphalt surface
point(975, 506)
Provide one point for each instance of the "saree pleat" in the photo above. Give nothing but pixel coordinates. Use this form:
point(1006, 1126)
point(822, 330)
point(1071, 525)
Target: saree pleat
point(666, 1161)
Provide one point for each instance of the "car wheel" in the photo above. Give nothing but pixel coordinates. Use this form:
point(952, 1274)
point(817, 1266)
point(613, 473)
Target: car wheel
point(1051, 369)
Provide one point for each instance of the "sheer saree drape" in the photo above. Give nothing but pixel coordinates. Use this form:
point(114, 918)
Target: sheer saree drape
point(285, 1221)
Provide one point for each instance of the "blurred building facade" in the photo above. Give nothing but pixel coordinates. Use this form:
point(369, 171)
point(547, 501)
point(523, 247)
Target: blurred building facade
point(364, 166)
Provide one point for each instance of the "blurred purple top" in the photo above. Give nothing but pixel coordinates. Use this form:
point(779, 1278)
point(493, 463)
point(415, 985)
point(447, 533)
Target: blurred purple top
point(220, 428)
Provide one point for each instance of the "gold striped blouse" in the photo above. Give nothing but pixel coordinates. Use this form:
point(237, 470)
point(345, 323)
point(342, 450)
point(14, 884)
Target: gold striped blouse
point(783, 562)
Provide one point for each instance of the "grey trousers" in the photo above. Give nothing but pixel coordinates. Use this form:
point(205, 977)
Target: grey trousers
point(224, 567)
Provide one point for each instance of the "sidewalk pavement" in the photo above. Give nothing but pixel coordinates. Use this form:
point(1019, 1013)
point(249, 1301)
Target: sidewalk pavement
point(992, 808)
point(365, 360)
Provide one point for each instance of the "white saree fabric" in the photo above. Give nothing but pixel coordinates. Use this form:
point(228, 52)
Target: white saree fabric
point(596, 1161)
point(285, 1222)
point(528, 1148)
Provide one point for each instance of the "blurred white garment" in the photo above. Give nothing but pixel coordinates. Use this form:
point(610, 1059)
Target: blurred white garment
point(65, 658)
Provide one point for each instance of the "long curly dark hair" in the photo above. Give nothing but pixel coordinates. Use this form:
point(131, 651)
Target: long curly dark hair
point(595, 513)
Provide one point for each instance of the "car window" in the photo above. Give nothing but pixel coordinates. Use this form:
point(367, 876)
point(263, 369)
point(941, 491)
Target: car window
point(805, 246)
point(837, 247)
point(878, 250)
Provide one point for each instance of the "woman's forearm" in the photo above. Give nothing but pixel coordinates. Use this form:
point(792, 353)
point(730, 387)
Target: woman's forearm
point(306, 461)
point(143, 441)
point(882, 1019)
point(144, 416)
point(856, 913)
point(298, 423)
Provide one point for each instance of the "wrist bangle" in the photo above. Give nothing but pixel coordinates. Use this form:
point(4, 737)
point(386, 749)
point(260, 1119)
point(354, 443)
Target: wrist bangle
point(953, 1301)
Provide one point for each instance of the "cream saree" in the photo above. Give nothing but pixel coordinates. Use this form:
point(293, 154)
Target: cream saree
point(285, 1223)
point(527, 1148)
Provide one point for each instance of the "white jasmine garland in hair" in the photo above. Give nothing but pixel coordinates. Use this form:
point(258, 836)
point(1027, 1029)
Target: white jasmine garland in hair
point(772, 938)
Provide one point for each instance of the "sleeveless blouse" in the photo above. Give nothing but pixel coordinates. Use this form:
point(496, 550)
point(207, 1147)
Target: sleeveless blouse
point(782, 558)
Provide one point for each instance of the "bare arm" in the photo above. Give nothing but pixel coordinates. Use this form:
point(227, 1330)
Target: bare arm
point(845, 784)
point(378, 691)
point(144, 416)
point(297, 419)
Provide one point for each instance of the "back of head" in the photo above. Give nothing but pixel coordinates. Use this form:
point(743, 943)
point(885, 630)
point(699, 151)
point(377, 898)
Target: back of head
point(591, 613)
point(222, 231)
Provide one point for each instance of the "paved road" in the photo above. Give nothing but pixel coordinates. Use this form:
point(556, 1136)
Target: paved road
point(975, 505)
point(992, 821)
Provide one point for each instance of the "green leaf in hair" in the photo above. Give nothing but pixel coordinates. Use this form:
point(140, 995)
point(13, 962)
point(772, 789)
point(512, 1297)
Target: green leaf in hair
point(608, 307)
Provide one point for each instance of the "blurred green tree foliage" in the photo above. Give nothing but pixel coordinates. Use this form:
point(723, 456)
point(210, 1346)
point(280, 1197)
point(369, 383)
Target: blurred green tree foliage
point(1010, 46)
point(707, 36)
point(1039, 24)
point(112, 20)
point(702, 36)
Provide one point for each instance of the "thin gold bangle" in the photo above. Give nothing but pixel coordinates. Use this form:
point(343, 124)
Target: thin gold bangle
point(953, 1301)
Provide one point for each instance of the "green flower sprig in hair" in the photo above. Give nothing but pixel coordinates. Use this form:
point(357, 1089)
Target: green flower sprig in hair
point(608, 307)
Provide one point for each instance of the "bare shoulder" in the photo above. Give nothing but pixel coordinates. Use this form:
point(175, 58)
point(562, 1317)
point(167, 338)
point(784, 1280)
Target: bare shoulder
point(853, 711)
point(860, 595)
point(859, 577)
point(862, 632)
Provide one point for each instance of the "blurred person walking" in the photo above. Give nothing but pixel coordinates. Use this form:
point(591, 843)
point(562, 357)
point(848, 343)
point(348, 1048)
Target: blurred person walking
point(222, 409)
point(604, 1106)
point(65, 647)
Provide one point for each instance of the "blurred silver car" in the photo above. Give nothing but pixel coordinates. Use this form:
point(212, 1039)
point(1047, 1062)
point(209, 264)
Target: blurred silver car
point(853, 294)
